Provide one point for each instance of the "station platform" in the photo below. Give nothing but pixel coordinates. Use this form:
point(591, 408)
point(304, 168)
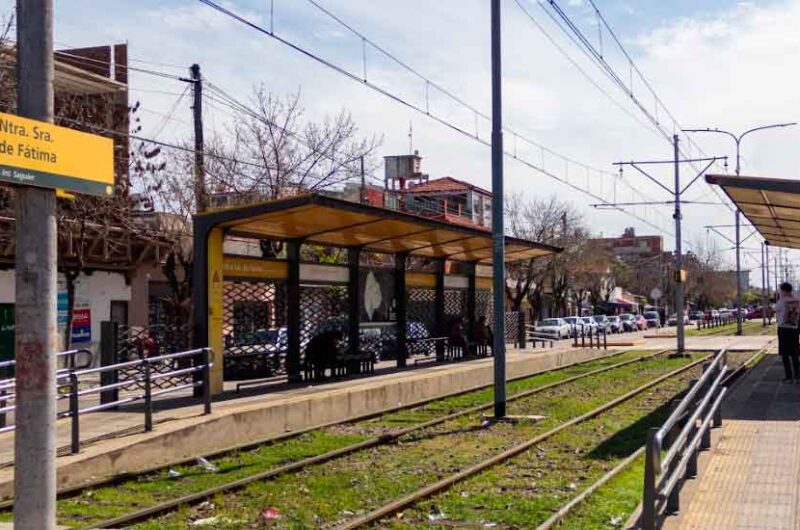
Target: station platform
point(115, 442)
point(751, 478)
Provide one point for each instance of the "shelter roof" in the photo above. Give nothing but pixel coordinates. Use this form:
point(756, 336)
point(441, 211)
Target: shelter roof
point(328, 221)
point(771, 205)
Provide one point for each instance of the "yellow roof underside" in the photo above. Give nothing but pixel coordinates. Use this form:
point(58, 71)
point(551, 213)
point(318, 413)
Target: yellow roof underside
point(340, 224)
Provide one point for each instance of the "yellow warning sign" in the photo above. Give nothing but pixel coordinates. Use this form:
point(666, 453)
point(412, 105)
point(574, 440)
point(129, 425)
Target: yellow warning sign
point(35, 153)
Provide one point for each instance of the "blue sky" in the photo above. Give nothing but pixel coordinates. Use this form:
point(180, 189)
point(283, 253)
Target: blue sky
point(716, 63)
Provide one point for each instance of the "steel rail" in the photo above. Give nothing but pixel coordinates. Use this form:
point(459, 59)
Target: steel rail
point(565, 510)
point(729, 382)
point(194, 498)
point(9, 503)
point(449, 481)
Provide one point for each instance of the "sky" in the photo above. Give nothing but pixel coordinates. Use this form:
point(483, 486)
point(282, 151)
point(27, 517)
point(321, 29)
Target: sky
point(711, 63)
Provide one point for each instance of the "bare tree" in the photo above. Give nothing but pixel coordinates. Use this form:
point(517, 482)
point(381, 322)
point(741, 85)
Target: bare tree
point(269, 151)
point(541, 220)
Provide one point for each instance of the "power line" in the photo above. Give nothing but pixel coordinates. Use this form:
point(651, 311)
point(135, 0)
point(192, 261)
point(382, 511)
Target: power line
point(574, 32)
point(363, 80)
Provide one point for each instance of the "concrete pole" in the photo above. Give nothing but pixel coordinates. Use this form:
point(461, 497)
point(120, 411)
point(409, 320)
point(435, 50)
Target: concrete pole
point(200, 191)
point(498, 237)
point(35, 304)
point(738, 249)
point(678, 251)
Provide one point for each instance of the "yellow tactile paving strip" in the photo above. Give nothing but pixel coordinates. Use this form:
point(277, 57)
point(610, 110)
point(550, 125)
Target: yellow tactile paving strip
point(752, 481)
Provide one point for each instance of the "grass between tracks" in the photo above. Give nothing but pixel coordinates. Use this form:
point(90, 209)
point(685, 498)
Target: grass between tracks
point(105, 502)
point(339, 490)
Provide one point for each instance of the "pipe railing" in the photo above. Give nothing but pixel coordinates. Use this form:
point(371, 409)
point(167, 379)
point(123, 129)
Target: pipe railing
point(667, 468)
point(70, 380)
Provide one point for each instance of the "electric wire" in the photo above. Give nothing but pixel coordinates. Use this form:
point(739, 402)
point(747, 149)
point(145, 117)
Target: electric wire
point(402, 101)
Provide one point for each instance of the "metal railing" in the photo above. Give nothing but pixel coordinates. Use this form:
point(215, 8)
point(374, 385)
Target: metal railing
point(75, 383)
point(664, 472)
point(715, 322)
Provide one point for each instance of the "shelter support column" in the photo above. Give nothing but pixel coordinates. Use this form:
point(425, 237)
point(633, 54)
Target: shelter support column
point(215, 307)
point(401, 308)
point(441, 325)
point(354, 301)
point(293, 311)
point(469, 271)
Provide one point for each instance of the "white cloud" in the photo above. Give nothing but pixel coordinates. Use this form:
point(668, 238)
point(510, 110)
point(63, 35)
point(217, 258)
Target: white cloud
point(734, 68)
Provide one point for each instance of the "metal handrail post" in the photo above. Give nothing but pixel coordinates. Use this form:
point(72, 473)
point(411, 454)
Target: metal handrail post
point(206, 381)
point(74, 412)
point(3, 401)
point(148, 398)
point(605, 339)
point(651, 465)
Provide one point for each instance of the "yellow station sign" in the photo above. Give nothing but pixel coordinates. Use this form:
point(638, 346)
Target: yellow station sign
point(35, 153)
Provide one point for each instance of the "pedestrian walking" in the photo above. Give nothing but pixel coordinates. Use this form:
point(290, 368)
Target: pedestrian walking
point(787, 311)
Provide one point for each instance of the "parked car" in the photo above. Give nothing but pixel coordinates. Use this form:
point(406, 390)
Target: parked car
point(758, 312)
point(653, 319)
point(603, 323)
point(576, 324)
point(711, 314)
point(696, 315)
point(616, 324)
point(725, 313)
point(641, 322)
point(628, 322)
point(673, 320)
point(589, 325)
point(558, 328)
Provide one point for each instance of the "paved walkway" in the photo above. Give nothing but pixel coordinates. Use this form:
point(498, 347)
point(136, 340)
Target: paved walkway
point(751, 480)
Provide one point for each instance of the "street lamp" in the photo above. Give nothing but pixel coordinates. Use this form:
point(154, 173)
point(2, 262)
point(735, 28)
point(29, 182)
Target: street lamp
point(738, 139)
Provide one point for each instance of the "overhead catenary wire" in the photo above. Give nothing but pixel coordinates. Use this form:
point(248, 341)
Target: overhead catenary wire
point(570, 28)
point(425, 111)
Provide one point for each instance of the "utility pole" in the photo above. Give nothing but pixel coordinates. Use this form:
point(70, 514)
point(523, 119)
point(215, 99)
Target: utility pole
point(36, 283)
point(678, 250)
point(200, 191)
point(498, 238)
point(763, 290)
point(363, 182)
point(738, 139)
point(675, 193)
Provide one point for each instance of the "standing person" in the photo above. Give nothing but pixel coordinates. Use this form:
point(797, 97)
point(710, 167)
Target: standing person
point(787, 311)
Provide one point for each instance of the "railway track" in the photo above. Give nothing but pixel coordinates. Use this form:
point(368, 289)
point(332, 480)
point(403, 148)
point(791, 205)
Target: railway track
point(593, 471)
point(7, 504)
point(408, 435)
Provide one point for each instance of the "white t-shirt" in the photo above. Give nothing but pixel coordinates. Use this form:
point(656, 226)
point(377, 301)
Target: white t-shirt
point(787, 310)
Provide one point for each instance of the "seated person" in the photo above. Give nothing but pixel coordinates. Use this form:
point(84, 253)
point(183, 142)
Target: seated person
point(322, 350)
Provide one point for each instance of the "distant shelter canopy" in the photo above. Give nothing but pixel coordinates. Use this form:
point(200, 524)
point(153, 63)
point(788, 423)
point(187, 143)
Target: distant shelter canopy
point(325, 220)
point(298, 301)
point(771, 205)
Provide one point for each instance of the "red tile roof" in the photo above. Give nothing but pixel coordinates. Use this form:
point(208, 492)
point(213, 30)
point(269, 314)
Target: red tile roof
point(445, 185)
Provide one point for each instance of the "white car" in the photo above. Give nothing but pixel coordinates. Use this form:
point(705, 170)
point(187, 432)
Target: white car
point(557, 328)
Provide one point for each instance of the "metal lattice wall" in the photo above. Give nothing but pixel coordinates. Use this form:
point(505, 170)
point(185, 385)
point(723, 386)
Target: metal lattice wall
point(323, 308)
point(421, 317)
point(483, 306)
point(253, 329)
point(455, 305)
point(139, 342)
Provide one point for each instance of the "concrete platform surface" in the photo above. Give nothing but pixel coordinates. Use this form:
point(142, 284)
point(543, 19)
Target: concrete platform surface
point(751, 478)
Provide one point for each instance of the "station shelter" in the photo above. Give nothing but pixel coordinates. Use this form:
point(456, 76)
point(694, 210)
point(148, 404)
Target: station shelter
point(772, 205)
point(388, 281)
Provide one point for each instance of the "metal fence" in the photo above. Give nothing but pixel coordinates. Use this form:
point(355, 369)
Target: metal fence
point(137, 381)
point(684, 434)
